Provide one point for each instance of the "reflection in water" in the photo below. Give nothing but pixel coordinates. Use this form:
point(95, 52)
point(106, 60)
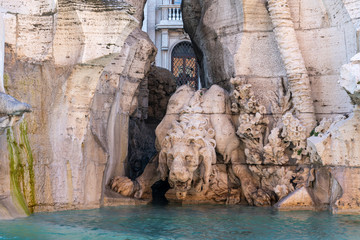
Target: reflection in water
point(182, 222)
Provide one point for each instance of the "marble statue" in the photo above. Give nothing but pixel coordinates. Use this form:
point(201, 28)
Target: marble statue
point(197, 127)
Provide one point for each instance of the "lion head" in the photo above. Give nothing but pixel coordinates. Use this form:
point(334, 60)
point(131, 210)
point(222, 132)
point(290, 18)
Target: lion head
point(187, 153)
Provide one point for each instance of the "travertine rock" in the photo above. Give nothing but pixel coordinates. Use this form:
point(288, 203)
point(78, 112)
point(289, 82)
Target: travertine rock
point(189, 139)
point(308, 69)
point(212, 41)
point(297, 200)
point(338, 146)
point(345, 192)
point(299, 82)
point(11, 111)
point(81, 107)
point(343, 134)
point(235, 38)
point(162, 85)
point(79, 127)
point(350, 79)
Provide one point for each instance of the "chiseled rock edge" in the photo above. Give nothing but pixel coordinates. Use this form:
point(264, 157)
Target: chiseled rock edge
point(339, 147)
point(11, 110)
point(121, 57)
point(300, 199)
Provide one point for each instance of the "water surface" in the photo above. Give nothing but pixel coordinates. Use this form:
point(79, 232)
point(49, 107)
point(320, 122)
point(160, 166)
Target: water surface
point(182, 222)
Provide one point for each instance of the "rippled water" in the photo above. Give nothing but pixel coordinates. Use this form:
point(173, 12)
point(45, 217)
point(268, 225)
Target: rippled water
point(182, 222)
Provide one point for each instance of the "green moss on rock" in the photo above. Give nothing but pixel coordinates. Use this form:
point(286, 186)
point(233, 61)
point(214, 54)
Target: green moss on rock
point(6, 81)
point(22, 175)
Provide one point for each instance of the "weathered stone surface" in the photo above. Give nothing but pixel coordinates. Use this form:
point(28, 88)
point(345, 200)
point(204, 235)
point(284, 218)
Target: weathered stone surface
point(337, 144)
point(297, 200)
point(258, 56)
point(161, 84)
point(32, 7)
point(325, 31)
point(81, 66)
point(9, 205)
point(350, 79)
point(346, 200)
point(214, 36)
point(90, 30)
point(187, 159)
point(74, 120)
point(340, 145)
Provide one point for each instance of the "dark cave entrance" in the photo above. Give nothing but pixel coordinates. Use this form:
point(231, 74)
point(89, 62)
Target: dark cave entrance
point(159, 190)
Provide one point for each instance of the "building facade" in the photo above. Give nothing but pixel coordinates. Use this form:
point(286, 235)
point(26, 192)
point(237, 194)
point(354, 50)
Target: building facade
point(164, 25)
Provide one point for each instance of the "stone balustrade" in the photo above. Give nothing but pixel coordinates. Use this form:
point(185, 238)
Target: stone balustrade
point(171, 12)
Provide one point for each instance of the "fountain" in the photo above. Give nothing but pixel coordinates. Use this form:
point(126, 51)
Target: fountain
point(272, 130)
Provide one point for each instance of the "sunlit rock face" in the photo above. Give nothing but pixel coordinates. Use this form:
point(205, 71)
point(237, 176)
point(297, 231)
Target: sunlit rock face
point(79, 65)
point(235, 38)
point(241, 46)
point(247, 43)
point(82, 66)
point(213, 147)
point(338, 146)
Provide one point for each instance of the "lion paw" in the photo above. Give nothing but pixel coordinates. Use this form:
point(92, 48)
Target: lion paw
point(122, 185)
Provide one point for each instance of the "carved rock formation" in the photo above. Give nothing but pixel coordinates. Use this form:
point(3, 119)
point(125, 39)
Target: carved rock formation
point(81, 79)
point(197, 125)
point(162, 85)
point(337, 146)
point(11, 111)
point(299, 82)
point(82, 66)
point(285, 143)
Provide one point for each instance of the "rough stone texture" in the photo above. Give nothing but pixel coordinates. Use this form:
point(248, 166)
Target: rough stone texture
point(297, 200)
point(153, 98)
point(195, 126)
point(79, 65)
point(344, 137)
point(241, 43)
point(9, 206)
point(346, 199)
point(161, 85)
point(327, 33)
point(297, 75)
point(213, 35)
point(337, 145)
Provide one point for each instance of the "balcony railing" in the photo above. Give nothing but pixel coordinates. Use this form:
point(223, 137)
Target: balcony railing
point(174, 14)
point(171, 12)
point(171, 17)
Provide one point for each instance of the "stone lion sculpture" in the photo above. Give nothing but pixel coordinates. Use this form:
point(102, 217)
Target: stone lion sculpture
point(196, 138)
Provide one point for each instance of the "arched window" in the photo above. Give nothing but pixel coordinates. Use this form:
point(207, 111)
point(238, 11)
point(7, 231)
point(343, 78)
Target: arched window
point(184, 65)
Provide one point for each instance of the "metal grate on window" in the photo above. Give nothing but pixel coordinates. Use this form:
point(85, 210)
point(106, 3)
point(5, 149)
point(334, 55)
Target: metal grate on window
point(184, 65)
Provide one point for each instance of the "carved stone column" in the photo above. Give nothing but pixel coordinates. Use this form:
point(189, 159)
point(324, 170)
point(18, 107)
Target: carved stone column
point(298, 78)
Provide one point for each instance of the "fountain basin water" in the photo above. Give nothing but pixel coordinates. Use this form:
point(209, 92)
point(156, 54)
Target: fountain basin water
point(182, 222)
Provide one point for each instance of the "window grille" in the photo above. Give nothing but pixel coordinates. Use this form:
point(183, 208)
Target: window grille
point(184, 66)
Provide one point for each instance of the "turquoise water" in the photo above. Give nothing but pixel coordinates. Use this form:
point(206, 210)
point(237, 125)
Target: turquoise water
point(182, 222)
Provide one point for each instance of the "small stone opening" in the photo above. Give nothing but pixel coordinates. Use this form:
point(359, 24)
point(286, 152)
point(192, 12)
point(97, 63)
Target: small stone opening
point(159, 190)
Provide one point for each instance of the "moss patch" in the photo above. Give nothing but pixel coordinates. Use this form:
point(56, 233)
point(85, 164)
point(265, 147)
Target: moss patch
point(22, 175)
point(6, 81)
